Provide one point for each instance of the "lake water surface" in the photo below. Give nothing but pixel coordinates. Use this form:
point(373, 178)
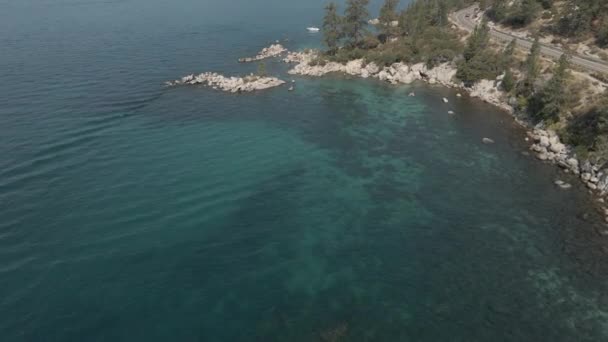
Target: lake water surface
point(343, 211)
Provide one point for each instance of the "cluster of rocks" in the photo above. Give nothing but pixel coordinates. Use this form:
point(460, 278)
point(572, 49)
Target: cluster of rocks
point(594, 177)
point(403, 73)
point(298, 57)
point(549, 148)
point(309, 65)
point(229, 84)
point(273, 50)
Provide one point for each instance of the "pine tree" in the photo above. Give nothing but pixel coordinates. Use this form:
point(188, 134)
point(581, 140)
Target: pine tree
point(478, 41)
point(507, 55)
point(355, 21)
point(548, 104)
point(331, 27)
point(602, 35)
point(525, 13)
point(510, 49)
point(532, 65)
point(561, 71)
point(442, 13)
point(498, 11)
point(483, 4)
point(388, 14)
point(508, 81)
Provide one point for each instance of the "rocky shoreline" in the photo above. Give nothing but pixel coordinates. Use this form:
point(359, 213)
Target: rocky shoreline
point(307, 64)
point(546, 143)
point(229, 84)
point(548, 147)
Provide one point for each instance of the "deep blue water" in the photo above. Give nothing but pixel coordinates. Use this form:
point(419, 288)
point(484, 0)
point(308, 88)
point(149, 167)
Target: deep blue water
point(344, 211)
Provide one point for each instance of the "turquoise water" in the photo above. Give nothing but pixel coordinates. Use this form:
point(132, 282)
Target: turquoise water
point(344, 211)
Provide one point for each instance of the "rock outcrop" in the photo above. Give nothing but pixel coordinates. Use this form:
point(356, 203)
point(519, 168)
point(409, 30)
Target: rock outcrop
point(489, 91)
point(308, 65)
point(229, 84)
point(273, 50)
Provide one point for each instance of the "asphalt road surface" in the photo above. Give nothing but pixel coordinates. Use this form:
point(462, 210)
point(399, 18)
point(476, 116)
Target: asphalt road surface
point(466, 19)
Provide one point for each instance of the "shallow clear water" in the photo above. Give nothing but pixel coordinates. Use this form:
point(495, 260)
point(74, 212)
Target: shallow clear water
point(344, 211)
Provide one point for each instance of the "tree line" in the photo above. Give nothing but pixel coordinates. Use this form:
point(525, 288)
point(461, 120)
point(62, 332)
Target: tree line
point(417, 33)
point(569, 18)
point(422, 33)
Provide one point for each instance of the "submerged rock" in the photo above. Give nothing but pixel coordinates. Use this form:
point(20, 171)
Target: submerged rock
point(562, 184)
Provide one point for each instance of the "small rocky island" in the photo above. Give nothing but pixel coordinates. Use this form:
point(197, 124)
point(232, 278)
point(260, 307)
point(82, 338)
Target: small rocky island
point(229, 84)
point(234, 84)
point(273, 50)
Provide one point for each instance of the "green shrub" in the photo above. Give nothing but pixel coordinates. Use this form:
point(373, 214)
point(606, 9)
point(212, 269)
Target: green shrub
point(369, 42)
point(590, 129)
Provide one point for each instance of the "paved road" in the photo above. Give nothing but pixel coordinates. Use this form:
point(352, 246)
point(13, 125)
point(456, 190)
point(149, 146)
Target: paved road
point(465, 19)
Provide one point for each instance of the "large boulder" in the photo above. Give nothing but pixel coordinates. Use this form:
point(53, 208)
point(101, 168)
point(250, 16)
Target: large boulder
point(544, 141)
point(354, 67)
point(558, 147)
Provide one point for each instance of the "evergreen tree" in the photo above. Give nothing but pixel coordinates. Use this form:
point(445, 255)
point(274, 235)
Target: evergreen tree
point(479, 61)
point(508, 81)
point(532, 66)
point(547, 4)
point(510, 49)
point(507, 56)
point(331, 27)
point(478, 41)
point(602, 35)
point(561, 72)
point(442, 13)
point(483, 4)
point(548, 103)
point(355, 20)
point(388, 14)
point(498, 11)
point(524, 14)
